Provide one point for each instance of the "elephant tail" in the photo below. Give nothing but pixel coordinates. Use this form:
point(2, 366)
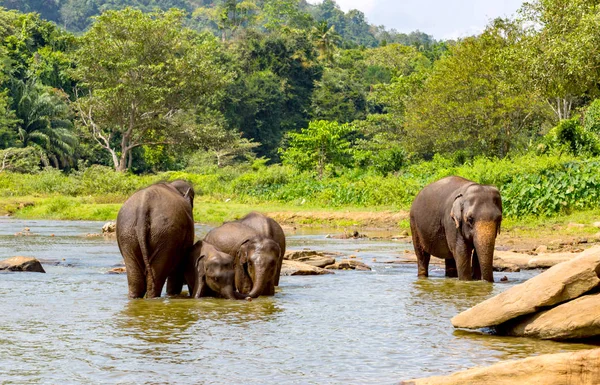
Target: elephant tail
point(142, 229)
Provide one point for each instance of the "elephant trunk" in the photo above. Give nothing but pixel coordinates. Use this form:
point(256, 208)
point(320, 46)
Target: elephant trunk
point(258, 286)
point(484, 242)
point(230, 293)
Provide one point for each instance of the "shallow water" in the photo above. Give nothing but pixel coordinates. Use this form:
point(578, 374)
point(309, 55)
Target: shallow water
point(75, 324)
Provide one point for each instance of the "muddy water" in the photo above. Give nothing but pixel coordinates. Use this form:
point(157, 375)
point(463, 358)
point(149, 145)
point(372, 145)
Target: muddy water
point(76, 325)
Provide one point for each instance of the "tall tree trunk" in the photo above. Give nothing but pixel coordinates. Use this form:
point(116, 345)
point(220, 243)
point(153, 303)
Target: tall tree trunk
point(122, 162)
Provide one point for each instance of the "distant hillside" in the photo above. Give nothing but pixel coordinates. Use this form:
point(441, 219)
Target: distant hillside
point(76, 16)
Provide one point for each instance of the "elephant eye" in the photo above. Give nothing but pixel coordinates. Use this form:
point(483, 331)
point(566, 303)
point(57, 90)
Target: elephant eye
point(470, 220)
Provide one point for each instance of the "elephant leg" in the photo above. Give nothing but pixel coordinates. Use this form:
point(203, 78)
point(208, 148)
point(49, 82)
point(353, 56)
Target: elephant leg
point(136, 276)
point(476, 268)
point(451, 271)
point(462, 255)
point(174, 284)
point(175, 281)
point(155, 289)
point(423, 257)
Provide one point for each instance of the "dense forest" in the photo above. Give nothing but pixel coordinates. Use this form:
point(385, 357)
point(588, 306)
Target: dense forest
point(147, 86)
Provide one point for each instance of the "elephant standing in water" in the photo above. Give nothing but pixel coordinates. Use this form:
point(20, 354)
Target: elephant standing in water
point(257, 257)
point(267, 227)
point(155, 232)
point(457, 220)
point(210, 273)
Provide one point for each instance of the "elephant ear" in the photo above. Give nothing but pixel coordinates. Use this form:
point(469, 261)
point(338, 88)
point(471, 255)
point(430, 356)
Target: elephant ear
point(198, 276)
point(243, 252)
point(457, 211)
point(189, 196)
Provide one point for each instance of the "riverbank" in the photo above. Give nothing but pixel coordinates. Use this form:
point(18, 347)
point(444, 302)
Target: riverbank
point(559, 233)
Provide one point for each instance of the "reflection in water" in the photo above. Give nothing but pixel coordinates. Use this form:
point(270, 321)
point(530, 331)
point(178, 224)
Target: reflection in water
point(166, 320)
point(156, 320)
point(516, 347)
point(444, 291)
point(262, 309)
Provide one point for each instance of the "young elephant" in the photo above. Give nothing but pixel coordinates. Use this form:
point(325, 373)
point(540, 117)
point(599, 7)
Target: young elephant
point(210, 273)
point(256, 257)
point(458, 220)
point(267, 227)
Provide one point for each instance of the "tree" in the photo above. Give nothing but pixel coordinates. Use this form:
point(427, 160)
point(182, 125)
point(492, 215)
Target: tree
point(279, 13)
point(477, 99)
point(326, 40)
point(136, 71)
point(323, 143)
point(229, 16)
point(272, 94)
point(44, 121)
point(207, 133)
point(339, 97)
point(560, 48)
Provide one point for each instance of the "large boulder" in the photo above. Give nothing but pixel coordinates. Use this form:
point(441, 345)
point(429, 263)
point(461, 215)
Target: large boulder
point(22, 264)
point(579, 318)
point(300, 268)
point(578, 368)
point(558, 284)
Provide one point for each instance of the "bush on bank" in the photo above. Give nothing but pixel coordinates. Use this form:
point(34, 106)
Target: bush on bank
point(530, 185)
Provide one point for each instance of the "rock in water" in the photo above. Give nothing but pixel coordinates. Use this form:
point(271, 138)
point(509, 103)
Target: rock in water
point(310, 257)
point(109, 228)
point(117, 270)
point(560, 283)
point(22, 264)
point(348, 264)
point(579, 318)
point(299, 268)
point(578, 368)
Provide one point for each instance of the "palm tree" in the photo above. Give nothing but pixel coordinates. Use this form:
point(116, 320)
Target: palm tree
point(43, 122)
point(326, 40)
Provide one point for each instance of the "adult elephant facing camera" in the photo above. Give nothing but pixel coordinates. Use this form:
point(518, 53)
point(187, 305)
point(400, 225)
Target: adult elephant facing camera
point(155, 232)
point(458, 220)
point(256, 257)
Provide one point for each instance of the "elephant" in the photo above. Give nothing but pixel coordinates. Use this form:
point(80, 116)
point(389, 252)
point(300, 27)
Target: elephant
point(269, 228)
point(458, 220)
point(256, 257)
point(210, 273)
point(155, 231)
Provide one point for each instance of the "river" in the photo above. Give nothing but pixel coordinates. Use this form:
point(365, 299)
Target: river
point(76, 325)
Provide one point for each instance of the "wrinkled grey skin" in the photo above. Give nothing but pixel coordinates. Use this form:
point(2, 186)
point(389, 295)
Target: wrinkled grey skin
point(267, 227)
point(457, 220)
point(155, 231)
point(255, 257)
point(210, 273)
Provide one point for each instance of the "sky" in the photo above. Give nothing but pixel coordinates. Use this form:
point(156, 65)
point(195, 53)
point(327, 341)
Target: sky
point(444, 19)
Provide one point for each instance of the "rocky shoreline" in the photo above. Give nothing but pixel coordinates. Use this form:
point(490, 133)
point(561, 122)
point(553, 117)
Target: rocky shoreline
point(562, 303)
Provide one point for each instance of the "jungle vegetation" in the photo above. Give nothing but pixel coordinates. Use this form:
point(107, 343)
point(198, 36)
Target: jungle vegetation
point(287, 101)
